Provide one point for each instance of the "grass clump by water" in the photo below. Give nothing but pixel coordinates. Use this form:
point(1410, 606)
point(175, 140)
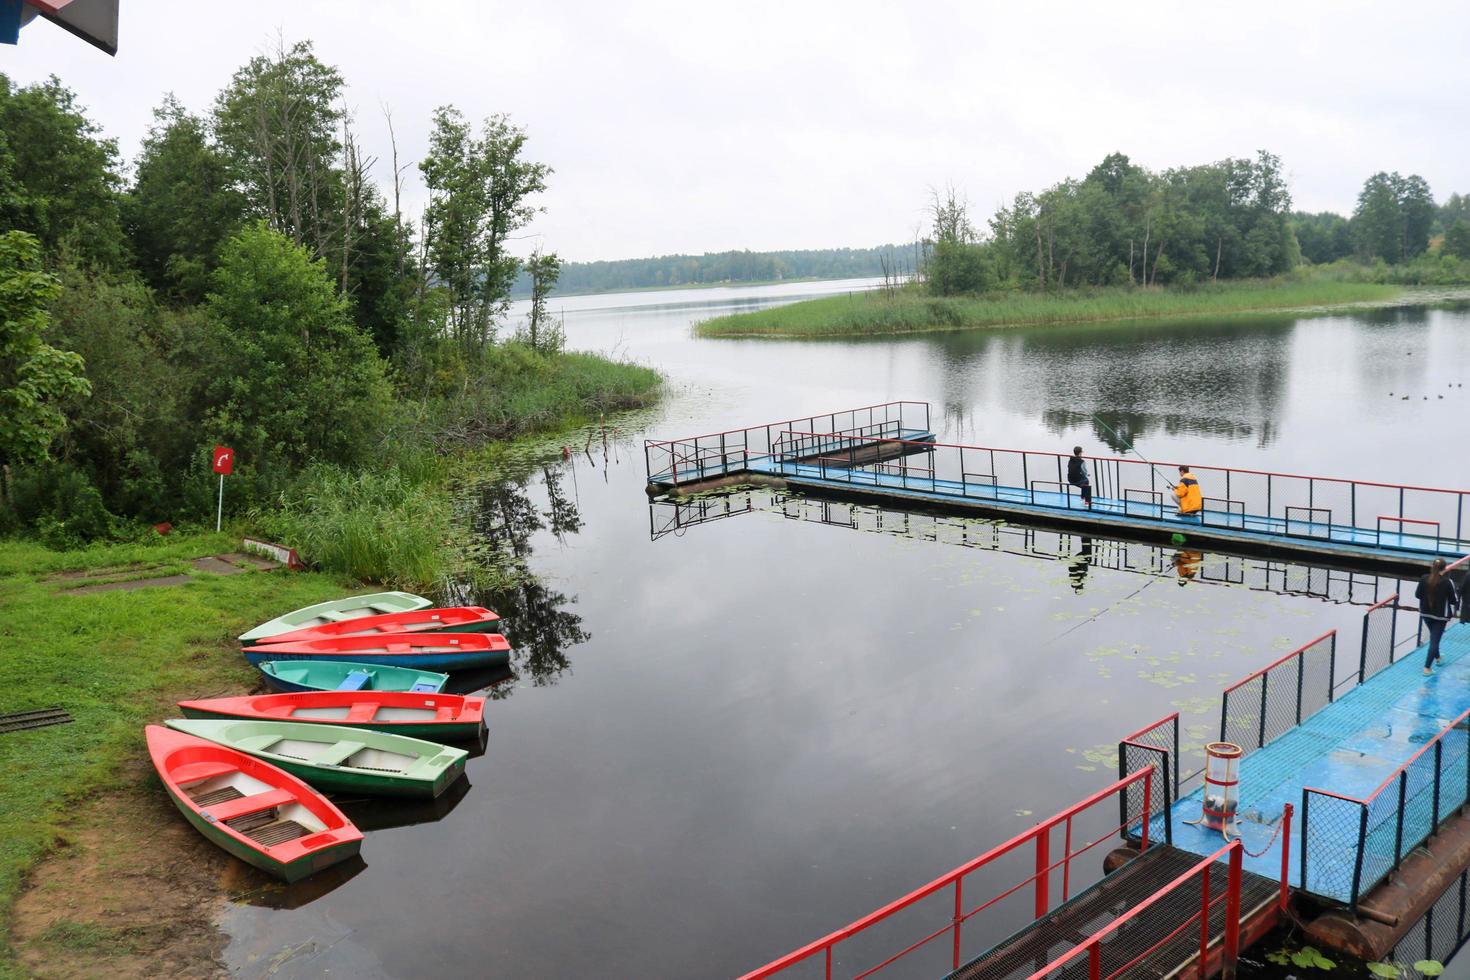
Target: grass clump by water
point(391, 524)
point(913, 311)
point(513, 390)
point(387, 526)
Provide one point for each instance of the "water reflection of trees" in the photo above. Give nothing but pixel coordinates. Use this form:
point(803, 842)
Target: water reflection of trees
point(503, 517)
point(1226, 378)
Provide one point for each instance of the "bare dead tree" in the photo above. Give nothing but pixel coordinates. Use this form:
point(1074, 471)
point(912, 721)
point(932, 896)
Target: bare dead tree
point(397, 185)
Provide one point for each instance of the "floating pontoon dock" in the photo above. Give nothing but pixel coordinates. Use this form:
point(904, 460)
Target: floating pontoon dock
point(888, 454)
point(1354, 762)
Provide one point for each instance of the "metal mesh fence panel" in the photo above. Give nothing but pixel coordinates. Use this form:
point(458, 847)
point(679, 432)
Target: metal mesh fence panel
point(1276, 699)
point(1380, 838)
point(1330, 845)
point(1376, 651)
point(1440, 931)
point(1434, 785)
point(1131, 759)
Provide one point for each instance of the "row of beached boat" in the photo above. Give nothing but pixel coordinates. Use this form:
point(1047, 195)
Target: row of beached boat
point(361, 711)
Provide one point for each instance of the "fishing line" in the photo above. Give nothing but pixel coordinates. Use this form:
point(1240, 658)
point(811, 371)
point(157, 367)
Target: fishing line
point(1129, 446)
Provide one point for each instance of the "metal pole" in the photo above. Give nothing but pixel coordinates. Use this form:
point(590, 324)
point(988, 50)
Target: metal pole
point(1148, 810)
point(1438, 763)
point(1204, 920)
point(1265, 685)
point(1398, 832)
point(1043, 860)
point(959, 904)
point(1363, 654)
point(1331, 666)
point(1067, 847)
point(220, 511)
point(1301, 666)
point(1232, 917)
point(1286, 856)
point(1358, 864)
point(1306, 798)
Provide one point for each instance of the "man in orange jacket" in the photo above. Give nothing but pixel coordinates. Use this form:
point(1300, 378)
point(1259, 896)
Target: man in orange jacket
point(1191, 499)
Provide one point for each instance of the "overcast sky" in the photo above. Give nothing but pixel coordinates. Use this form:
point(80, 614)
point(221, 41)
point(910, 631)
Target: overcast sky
point(689, 127)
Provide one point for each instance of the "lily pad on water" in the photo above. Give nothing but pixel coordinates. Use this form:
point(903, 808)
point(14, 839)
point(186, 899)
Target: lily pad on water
point(1309, 957)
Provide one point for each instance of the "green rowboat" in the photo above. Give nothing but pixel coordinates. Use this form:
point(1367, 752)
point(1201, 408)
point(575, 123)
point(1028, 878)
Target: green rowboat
point(342, 675)
point(330, 757)
point(338, 610)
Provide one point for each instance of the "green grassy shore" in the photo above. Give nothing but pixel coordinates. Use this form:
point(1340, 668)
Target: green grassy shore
point(115, 660)
point(874, 314)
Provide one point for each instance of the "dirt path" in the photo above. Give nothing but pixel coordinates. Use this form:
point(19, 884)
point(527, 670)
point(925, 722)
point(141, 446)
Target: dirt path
point(134, 892)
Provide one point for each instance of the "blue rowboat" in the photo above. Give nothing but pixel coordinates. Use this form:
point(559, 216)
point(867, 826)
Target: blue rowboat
point(443, 652)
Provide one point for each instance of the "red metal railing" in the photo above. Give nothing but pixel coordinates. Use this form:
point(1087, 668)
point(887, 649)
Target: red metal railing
point(1260, 500)
point(1038, 837)
point(1092, 947)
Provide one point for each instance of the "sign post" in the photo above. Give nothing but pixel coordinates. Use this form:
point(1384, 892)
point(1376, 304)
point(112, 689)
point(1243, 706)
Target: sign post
point(224, 463)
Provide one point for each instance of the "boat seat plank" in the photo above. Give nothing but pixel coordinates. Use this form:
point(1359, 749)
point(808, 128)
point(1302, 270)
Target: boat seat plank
point(363, 711)
point(228, 810)
point(358, 680)
point(334, 753)
point(197, 772)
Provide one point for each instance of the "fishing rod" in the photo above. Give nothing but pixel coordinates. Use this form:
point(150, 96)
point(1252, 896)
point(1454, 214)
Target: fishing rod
point(1129, 446)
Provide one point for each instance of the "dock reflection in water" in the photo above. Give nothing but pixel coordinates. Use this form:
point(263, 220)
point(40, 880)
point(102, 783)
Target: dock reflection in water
point(1081, 552)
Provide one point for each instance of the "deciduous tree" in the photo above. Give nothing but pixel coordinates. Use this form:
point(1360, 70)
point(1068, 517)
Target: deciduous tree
point(299, 382)
point(35, 378)
point(480, 193)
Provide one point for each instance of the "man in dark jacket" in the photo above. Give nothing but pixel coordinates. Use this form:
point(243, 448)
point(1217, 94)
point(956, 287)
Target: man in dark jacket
point(1077, 475)
point(1437, 601)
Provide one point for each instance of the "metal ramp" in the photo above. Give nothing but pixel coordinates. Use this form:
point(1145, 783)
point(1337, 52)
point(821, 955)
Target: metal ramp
point(1160, 941)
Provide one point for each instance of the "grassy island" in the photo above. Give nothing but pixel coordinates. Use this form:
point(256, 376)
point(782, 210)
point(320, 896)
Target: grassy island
point(915, 311)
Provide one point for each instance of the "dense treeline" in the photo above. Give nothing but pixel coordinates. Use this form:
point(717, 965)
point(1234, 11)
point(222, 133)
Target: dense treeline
point(721, 267)
point(1124, 225)
point(251, 284)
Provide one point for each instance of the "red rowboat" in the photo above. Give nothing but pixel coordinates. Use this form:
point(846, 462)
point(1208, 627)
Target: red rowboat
point(250, 808)
point(443, 652)
point(439, 717)
point(446, 619)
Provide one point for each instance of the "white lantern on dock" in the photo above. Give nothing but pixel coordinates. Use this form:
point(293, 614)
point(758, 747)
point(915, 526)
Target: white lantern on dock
point(1222, 788)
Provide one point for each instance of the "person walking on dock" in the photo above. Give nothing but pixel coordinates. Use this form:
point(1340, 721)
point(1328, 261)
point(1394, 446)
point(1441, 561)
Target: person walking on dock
point(1077, 475)
point(1191, 499)
point(1437, 601)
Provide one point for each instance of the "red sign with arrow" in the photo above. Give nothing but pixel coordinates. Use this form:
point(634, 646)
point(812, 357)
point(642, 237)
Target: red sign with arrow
point(224, 460)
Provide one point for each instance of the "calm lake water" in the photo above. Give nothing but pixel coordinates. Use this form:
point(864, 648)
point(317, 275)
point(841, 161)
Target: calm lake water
point(726, 737)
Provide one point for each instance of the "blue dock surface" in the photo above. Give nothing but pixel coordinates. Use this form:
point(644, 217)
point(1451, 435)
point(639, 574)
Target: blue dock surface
point(1350, 748)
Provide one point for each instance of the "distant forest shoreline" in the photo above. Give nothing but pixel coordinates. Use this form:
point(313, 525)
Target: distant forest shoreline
point(736, 267)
